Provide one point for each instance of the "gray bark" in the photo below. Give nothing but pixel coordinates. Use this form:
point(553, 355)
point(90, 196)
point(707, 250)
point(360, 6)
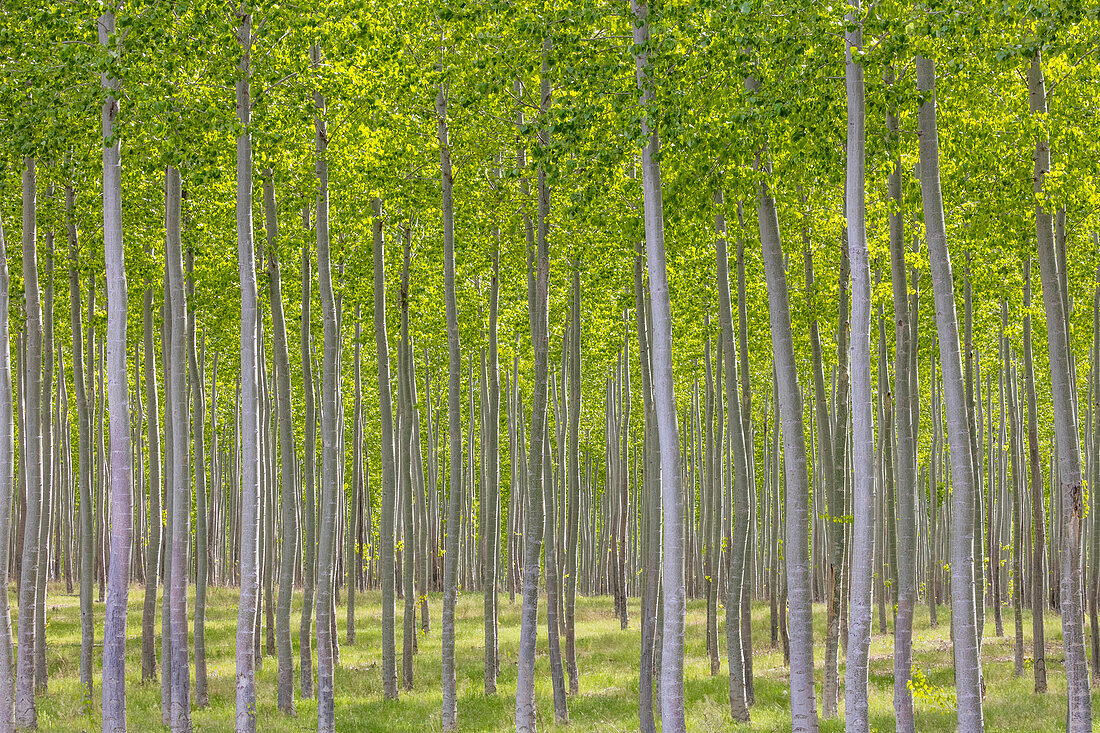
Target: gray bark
point(245, 719)
point(118, 396)
point(84, 487)
point(330, 457)
point(1070, 485)
point(1038, 509)
point(906, 479)
point(387, 527)
point(196, 370)
point(963, 619)
point(309, 520)
point(180, 712)
point(796, 550)
point(856, 707)
point(735, 586)
point(405, 409)
point(664, 398)
point(287, 456)
point(26, 713)
point(538, 274)
point(7, 474)
point(454, 421)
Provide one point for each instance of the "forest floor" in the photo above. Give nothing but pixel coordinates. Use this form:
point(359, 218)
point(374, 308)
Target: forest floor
point(607, 657)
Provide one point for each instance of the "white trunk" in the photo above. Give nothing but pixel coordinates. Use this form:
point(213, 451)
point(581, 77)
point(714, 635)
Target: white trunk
point(856, 711)
point(245, 720)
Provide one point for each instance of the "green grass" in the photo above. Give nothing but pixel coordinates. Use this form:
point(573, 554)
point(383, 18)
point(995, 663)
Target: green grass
point(607, 657)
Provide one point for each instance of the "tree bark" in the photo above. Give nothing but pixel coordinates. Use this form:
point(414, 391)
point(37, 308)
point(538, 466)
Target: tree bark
point(309, 537)
point(906, 479)
point(118, 593)
point(963, 620)
point(245, 719)
point(287, 456)
point(1070, 486)
point(387, 527)
point(735, 595)
point(454, 421)
point(180, 712)
point(856, 707)
point(26, 713)
point(330, 457)
point(664, 398)
point(7, 474)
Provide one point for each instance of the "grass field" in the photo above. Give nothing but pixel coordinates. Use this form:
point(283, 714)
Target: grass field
point(607, 657)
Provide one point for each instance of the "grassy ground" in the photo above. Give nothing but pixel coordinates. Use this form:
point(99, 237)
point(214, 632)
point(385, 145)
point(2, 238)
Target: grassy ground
point(608, 660)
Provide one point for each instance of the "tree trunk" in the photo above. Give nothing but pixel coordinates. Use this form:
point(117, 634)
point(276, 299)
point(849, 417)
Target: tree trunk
point(197, 370)
point(245, 720)
point(180, 712)
point(735, 595)
point(330, 457)
point(387, 527)
point(7, 474)
point(287, 456)
point(796, 550)
point(1071, 488)
point(114, 633)
point(26, 714)
point(492, 476)
point(572, 504)
point(856, 708)
point(309, 537)
point(454, 420)
point(963, 620)
point(664, 398)
point(83, 477)
point(906, 479)
point(405, 409)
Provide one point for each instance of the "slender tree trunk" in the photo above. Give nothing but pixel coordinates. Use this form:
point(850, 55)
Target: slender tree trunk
point(114, 634)
point(672, 541)
point(249, 475)
point(1070, 486)
point(830, 477)
point(906, 479)
point(454, 420)
point(1009, 370)
point(287, 456)
point(197, 369)
point(1038, 510)
point(405, 409)
point(330, 457)
point(967, 660)
point(309, 538)
point(856, 707)
point(48, 444)
point(1094, 482)
point(735, 587)
point(574, 468)
point(83, 475)
point(795, 548)
point(26, 713)
point(7, 474)
point(387, 528)
point(492, 475)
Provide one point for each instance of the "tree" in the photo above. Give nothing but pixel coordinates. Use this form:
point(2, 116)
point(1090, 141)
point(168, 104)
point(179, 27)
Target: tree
point(967, 662)
point(1071, 487)
point(454, 422)
point(26, 713)
point(857, 713)
point(7, 472)
point(672, 541)
point(250, 430)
